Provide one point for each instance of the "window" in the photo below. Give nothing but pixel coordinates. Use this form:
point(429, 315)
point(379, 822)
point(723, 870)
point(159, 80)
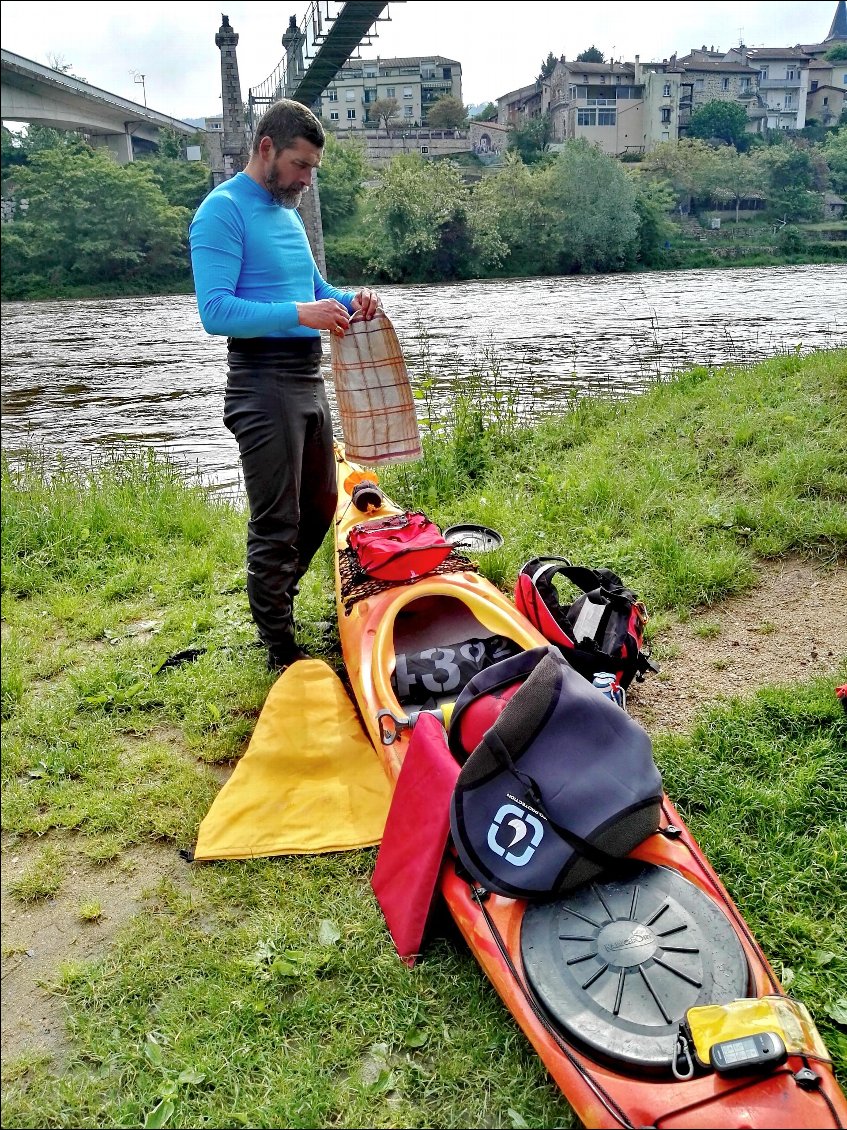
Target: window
point(791, 74)
point(763, 74)
point(585, 78)
point(370, 72)
point(606, 117)
point(826, 100)
point(351, 115)
point(333, 115)
point(602, 78)
point(586, 117)
point(745, 84)
point(407, 111)
point(448, 72)
point(789, 100)
point(844, 79)
point(666, 115)
point(350, 95)
point(333, 95)
point(815, 85)
point(407, 92)
point(724, 84)
point(698, 84)
point(389, 92)
point(572, 89)
point(666, 90)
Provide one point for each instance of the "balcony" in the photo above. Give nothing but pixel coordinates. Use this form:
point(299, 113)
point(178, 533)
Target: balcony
point(779, 84)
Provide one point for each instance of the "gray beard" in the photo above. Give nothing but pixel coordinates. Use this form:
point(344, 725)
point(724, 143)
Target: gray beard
point(285, 197)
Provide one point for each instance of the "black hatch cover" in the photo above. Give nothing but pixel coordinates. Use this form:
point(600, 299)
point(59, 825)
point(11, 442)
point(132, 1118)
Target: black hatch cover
point(617, 962)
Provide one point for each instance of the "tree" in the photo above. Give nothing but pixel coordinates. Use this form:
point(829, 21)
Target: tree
point(725, 121)
point(790, 181)
point(592, 55)
point(734, 177)
point(183, 183)
point(591, 201)
point(432, 232)
point(547, 67)
point(513, 200)
point(486, 113)
point(653, 200)
point(531, 139)
point(447, 112)
point(837, 53)
point(383, 110)
point(688, 166)
point(835, 152)
point(340, 176)
point(89, 220)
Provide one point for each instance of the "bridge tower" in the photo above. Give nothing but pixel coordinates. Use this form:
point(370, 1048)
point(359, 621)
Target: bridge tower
point(310, 206)
point(235, 149)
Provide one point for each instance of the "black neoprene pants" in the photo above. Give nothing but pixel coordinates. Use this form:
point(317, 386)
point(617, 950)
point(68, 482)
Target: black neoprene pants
point(276, 407)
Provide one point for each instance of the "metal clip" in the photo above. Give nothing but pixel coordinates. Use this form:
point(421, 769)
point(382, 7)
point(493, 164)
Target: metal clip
point(682, 1051)
point(387, 733)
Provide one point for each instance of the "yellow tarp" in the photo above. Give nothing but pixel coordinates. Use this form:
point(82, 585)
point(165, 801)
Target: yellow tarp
point(309, 781)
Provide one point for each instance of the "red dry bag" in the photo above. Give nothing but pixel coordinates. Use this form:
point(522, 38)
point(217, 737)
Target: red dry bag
point(399, 548)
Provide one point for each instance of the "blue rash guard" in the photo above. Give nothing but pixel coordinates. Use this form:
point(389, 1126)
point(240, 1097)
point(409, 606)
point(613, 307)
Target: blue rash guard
point(252, 262)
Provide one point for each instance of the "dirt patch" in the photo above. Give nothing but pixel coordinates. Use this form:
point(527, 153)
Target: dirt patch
point(792, 627)
point(38, 938)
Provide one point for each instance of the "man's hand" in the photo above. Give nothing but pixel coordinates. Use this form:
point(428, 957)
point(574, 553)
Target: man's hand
point(324, 315)
point(366, 303)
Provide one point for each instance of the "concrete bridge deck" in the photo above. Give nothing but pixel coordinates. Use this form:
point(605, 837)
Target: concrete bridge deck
point(31, 92)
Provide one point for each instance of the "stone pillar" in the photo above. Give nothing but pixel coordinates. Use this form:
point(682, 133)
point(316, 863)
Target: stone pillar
point(310, 210)
point(234, 147)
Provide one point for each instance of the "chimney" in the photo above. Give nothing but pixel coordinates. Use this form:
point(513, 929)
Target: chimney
point(637, 70)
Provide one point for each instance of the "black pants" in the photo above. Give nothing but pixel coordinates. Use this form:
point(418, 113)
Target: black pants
point(276, 407)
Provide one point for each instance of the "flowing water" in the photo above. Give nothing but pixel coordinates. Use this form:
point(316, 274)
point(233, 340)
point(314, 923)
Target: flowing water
point(82, 378)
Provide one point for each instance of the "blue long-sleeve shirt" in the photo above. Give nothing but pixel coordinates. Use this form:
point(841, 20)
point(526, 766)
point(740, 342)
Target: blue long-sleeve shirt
point(252, 263)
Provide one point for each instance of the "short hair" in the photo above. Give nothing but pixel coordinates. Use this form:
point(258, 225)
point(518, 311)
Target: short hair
point(284, 122)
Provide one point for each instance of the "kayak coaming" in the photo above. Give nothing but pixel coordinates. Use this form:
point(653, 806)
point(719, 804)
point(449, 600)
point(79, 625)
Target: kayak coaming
point(600, 1095)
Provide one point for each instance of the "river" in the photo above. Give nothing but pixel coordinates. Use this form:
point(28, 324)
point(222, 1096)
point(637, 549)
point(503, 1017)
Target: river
point(82, 378)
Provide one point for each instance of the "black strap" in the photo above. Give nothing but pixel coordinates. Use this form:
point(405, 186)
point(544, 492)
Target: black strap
point(498, 747)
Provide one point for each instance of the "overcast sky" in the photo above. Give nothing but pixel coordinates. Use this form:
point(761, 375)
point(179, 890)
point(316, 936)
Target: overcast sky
point(499, 44)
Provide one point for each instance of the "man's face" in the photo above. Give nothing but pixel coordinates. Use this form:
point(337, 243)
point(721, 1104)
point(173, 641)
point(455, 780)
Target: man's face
point(289, 174)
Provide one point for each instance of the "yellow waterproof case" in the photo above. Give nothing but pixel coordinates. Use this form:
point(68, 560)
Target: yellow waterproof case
point(711, 1024)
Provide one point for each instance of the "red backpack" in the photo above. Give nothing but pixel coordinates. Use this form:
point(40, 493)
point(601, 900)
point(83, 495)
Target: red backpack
point(602, 630)
point(398, 548)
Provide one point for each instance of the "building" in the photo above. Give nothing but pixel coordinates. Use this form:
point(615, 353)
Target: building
point(415, 83)
point(783, 82)
point(602, 102)
point(827, 78)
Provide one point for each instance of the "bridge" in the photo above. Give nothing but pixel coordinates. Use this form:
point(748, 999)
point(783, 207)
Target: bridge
point(316, 50)
point(35, 93)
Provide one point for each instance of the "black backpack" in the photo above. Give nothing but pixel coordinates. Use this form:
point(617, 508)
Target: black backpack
point(603, 630)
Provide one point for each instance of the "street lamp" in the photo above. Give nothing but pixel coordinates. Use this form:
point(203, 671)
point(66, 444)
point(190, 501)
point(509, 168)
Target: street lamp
point(138, 77)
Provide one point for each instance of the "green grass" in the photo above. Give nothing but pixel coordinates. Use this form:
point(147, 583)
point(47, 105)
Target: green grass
point(267, 993)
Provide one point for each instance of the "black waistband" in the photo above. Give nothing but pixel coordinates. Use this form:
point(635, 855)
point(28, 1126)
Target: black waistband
point(279, 346)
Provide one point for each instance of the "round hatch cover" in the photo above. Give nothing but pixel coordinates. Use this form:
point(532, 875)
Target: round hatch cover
point(478, 539)
point(618, 962)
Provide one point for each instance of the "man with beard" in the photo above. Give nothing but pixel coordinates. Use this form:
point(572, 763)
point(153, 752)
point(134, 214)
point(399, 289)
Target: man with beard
point(257, 284)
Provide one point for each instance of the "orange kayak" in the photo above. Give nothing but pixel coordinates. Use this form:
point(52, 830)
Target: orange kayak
point(616, 1068)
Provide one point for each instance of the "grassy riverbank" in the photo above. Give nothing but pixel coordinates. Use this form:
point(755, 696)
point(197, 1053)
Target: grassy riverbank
point(267, 993)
